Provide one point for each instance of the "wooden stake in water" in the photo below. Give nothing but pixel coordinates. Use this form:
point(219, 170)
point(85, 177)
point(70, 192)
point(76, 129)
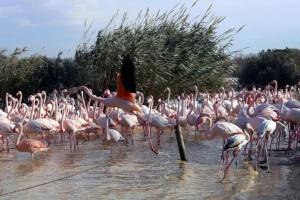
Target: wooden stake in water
point(180, 143)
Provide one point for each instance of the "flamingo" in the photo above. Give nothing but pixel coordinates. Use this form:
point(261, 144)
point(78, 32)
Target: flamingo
point(192, 117)
point(126, 92)
point(6, 129)
point(292, 115)
point(29, 145)
point(128, 121)
point(181, 119)
point(263, 110)
point(156, 120)
point(126, 89)
point(265, 128)
point(112, 134)
point(72, 126)
point(236, 143)
point(221, 129)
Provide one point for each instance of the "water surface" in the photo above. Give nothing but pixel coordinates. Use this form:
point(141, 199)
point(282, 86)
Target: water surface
point(136, 173)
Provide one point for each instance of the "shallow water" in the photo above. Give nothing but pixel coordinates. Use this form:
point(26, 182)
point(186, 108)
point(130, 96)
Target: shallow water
point(136, 173)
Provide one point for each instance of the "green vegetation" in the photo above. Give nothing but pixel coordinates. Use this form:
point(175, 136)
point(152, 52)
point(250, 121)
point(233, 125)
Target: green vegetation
point(280, 64)
point(169, 49)
point(36, 73)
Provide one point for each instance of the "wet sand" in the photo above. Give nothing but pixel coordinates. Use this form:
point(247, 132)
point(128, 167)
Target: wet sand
point(92, 172)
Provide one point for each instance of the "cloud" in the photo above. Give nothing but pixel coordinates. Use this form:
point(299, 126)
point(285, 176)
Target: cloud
point(72, 13)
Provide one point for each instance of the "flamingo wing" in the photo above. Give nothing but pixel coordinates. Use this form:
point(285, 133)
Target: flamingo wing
point(234, 141)
point(226, 128)
point(33, 143)
point(126, 84)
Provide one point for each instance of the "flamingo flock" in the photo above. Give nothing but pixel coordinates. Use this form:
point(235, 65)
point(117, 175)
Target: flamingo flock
point(251, 122)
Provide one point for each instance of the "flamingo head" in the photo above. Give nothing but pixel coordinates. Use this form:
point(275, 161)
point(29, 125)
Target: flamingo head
point(167, 89)
point(106, 93)
point(111, 123)
point(39, 94)
point(31, 98)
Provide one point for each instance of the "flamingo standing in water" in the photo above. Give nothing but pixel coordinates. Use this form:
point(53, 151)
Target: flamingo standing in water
point(156, 120)
point(6, 129)
point(29, 145)
point(236, 143)
point(224, 130)
point(128, 121)
point(112, 134)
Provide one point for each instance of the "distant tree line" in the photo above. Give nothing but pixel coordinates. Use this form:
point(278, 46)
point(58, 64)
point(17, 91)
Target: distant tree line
point(260, 69)
point(36, 73)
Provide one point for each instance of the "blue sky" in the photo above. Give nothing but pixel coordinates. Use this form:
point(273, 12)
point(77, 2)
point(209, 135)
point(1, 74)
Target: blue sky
point(48, 26)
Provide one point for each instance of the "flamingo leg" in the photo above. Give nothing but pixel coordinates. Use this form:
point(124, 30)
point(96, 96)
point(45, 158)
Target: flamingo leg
point(149, 138)
point(270, 148)
point(222, 157)
point(227, 167)
point(70, 140)
point(111, 149)
point(290, 140)
point(250, 148)
point(236, 165)
point(74, 141)
point(257, 153)
point(267, 158)
point(148, 133)
point(265, 147)
point(7, 145)
point(120, 150)
point(131, 135)
point(297, 140)
point(158, 137)
point(2, 144)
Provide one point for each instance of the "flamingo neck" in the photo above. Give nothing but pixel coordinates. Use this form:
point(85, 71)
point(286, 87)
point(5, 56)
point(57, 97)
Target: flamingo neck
point(150, 109)
point(247, 135)
point(20, 100)
point(169, 95)
point(195, 98)
point(208, 125)
point(6, 101)
point(106, 123)
point(190, 111)
point(95, 108)
point(32, 110)
point(40, 107)
point(93, 97)
point(19, 137)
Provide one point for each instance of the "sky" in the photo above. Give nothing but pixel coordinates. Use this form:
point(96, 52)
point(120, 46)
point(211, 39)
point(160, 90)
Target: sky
point(49, 26)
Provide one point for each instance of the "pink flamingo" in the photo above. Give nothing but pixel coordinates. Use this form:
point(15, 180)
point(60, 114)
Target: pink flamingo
point(236, 143)
point(126, 92)
point(6, 129)
point(128, 121)
point(29, 145)
point(223, 130)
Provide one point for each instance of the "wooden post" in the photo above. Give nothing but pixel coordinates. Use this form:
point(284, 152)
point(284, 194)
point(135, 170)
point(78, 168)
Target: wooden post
point(180, 143)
